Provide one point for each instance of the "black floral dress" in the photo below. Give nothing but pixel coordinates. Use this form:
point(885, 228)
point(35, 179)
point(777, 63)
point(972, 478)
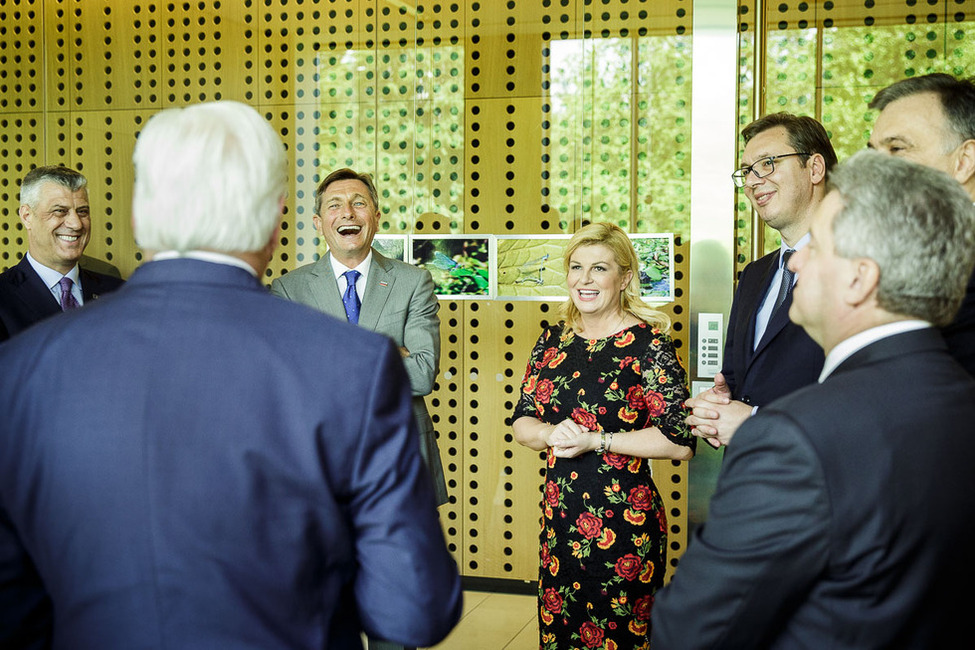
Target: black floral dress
point(604, 531)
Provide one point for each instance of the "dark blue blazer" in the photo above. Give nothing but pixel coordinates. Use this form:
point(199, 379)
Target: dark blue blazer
point(25, 300)
point(785, 360)
point(960, 335)
point(232, 471)
point(843, 515)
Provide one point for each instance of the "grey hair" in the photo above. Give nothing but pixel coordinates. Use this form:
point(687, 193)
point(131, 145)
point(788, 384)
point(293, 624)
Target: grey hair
point(916, 223)
point(30, 187)
point(209, 176)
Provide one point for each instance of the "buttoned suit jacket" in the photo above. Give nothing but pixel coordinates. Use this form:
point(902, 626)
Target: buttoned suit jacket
point(221, 487)
point(25, 299)
point(843, 515)
point(398, 301)
point(785, 359)
point(960, 334)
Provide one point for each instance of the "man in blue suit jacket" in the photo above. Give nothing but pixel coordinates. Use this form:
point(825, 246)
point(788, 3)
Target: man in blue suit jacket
point(843, 515)
point(784, 168)
point(222, 487)
point(55, 213)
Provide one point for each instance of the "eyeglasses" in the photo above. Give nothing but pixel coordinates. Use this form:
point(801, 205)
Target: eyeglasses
point(761, 168)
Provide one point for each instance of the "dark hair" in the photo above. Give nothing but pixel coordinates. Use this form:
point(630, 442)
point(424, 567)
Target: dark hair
point(63, 176)
point(957, 98)
point(345, 174)
point(805, 135)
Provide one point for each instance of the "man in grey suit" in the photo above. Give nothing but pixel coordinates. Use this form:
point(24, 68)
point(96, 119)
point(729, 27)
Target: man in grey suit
point(386, 296)
point(395, 298)
point(843, 513)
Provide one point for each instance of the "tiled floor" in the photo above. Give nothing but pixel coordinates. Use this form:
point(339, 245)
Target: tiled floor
point(494, 622)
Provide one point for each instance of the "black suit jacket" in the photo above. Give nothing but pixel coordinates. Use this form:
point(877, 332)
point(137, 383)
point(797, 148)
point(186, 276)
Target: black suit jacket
point(785, 360)
point(843, 515)
point(960, 335)
point(25, 300)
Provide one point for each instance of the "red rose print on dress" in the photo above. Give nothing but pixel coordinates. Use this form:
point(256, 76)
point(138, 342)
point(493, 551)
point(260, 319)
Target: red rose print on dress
point(628, 567)
point(655, 403)
point(552, 494)
point(552, 601)
point(543, 391)
point(641, 498)
point(584, 418)
point(591, 635)
point(589, 525)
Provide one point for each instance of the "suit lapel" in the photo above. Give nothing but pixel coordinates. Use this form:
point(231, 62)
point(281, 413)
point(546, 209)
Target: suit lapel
point(896, 345)
point(379, 283)
point(775, 324)
point(750, 313)
point(324, 289)
point(30, 289)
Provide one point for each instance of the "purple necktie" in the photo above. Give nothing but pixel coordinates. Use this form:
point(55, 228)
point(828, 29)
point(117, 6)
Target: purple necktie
point(351, 298)
point(67, 300)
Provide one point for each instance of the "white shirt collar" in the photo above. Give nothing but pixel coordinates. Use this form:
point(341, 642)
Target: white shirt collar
point(51, 277)
point(363, 267)
point(206, 256)
point(845, 349)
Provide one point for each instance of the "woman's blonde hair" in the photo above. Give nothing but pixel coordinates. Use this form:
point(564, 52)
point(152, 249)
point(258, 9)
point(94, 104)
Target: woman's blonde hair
point(616, 240)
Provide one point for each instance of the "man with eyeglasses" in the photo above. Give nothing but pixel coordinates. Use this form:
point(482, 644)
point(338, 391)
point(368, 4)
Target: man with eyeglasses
point(931, 120)
point(783, 173)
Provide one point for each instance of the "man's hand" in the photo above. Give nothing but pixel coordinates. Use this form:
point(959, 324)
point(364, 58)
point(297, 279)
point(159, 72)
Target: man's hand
point(714, 415)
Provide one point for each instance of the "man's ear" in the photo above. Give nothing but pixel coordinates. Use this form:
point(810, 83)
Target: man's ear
point(864, 281)
point(24, 213)
point(964, 169)
point(817, 168)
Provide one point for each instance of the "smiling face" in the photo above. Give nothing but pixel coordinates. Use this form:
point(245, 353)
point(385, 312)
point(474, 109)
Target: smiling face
point(595, 281)
point(58, 226)
point(348, 221)
point(785, 198)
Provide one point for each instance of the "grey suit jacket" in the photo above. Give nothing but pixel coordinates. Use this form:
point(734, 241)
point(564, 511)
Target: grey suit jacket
point(399, 302)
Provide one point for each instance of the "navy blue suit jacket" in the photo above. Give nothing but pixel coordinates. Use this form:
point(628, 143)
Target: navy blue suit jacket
point(785, 360)
point(25, 300)
point(245, 474)
point(960, 335)
point(843, 515)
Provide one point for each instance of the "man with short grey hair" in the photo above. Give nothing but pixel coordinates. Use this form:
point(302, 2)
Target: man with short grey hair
point(54, 211)
point(843, 514)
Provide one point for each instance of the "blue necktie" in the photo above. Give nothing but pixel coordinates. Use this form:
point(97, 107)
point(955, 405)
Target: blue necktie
point(351, 298)
point(67, 299)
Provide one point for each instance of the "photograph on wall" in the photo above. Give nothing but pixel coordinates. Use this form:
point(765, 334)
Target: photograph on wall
point(530, 267)
point(460, 264)
point(392, 246)
point(656, 253)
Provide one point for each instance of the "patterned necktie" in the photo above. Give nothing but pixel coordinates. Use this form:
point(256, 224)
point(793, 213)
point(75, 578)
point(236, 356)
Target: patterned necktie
point(787, 277)
point(351, 298)
point(67, 300)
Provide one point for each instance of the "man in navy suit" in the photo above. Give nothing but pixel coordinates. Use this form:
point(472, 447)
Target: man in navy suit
point(931, 120)
point(784, 168)
point(54, 211)
point(211, 482)
point(843, 515)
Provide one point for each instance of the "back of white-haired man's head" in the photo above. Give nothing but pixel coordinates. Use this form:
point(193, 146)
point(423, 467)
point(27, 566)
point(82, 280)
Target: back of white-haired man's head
point(211, 176)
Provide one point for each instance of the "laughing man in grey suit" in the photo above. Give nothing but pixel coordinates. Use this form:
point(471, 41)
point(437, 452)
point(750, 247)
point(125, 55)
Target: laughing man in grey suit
point(397, 299)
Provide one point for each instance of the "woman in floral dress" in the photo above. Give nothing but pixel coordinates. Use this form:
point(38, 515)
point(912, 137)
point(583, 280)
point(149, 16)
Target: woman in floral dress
point(603, 394)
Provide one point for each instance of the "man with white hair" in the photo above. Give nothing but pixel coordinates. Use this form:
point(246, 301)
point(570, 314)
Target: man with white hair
point(843, 514)
point(220, 487)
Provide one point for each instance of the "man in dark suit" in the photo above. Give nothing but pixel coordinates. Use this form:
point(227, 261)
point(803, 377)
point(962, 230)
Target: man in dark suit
point(247, 472)
point(843, 515)
point(784, 168)
point(48, 280)
point(931, 120)
point(385, 296)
